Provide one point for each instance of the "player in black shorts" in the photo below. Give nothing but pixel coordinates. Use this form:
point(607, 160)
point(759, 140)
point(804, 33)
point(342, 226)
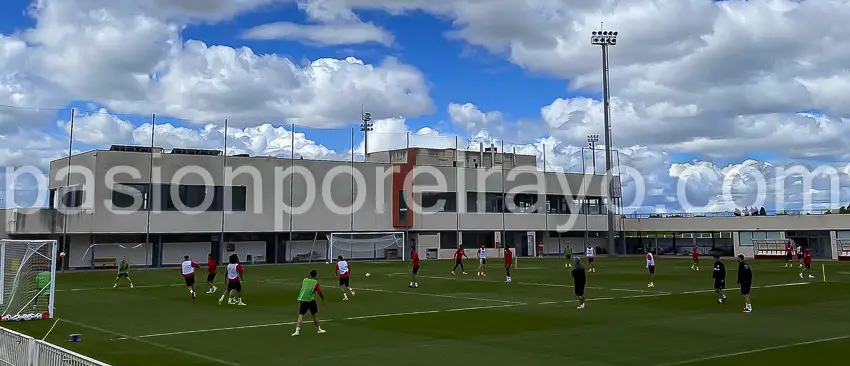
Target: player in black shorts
point(719, 277)
point(579, 282)
point(745, 280)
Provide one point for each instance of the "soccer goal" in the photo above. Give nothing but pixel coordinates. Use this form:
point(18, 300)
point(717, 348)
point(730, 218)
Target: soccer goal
point(108, 255)
point(367, 246)
point(27, 275)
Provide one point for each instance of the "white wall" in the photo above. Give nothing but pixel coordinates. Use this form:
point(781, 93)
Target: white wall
point(256, 249)
point(81, 252)
point(172, 253)
point(303, 247)
point(425, 242)
point(472, 254)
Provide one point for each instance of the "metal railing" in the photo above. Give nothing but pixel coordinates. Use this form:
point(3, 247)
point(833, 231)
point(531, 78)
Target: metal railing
point(17, 349)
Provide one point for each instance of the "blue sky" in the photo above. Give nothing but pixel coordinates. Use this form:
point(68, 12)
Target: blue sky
point(684, 97)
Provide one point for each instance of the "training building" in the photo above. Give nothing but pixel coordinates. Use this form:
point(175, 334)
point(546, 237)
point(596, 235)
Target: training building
point(154, 206)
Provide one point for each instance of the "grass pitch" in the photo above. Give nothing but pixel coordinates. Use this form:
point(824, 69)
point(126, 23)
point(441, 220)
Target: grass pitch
point(462, 320)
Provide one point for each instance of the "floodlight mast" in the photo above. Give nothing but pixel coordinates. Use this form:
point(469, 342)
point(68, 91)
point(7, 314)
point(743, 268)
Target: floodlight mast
point(365, 127)
point(591, 144)
point(604, 39)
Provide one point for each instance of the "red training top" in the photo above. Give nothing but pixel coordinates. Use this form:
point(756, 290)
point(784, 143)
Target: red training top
point(788, 249)
point(807, 257)
point(211, 267)
point(509, 256)
point(415, 258)
point(695, 253)
point(459, 254)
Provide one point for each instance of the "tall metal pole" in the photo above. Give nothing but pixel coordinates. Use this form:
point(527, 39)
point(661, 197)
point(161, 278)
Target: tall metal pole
point(606, 95)
point(65, 241)
point(292, 188)
point(149, 197)
point(224, 187)
point(351, 223)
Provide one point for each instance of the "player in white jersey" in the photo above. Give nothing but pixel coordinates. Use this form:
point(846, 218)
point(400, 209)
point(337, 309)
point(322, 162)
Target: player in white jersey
point(482, 261)
point(234, 282)
point(650, 265)
point(343, 271)
point(591, 255)
point(187, 268)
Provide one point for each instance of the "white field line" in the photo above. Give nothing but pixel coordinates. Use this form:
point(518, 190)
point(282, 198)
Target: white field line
point(124, 287)
point(508, 305)
point(119, 288)
point(440, 295)
point(540, 284)
point(758, 350)
point(323, 320)
point(737, 288)
point(169, 348)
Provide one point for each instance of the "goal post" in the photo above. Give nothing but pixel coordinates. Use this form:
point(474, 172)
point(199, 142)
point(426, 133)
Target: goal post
point(389, 245)
point(108, 255)
point(27, 279)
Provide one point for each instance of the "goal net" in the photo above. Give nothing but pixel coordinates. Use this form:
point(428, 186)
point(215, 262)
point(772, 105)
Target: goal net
point(27, 277)
point(108, 255)
point(367, 246)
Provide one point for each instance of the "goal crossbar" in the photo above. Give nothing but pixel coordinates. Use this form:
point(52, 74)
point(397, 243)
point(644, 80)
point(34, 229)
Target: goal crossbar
point(368, 245)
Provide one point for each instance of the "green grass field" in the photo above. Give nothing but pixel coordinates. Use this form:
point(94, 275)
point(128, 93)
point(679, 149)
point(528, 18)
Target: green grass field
point(463, 320)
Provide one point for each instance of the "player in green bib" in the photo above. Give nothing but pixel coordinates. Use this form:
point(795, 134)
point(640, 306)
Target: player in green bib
point(42, 280)
point(307, 299)
point(123, 272)
point(568, 254)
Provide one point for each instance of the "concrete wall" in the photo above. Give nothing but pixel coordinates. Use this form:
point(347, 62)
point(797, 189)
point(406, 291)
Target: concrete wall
point(743, 223)
point(268, 190)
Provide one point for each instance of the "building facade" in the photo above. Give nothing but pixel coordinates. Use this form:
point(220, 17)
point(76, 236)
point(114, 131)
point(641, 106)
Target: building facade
point(826, 235)
point(158, 205)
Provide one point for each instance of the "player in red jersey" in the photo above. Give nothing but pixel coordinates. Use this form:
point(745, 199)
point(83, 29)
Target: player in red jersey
point(187, 269)
point(414, 268)
point(509, 261)
point(211, 271)
point(807, 263)
point(344, 272)
point(695, 256)
point(789, 255)
point(460, 254)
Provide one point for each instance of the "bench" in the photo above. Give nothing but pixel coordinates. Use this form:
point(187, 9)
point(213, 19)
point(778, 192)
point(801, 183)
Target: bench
point(104, 261)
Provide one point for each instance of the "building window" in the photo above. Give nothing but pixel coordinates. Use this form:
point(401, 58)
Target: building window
point(402, 206)
point(72, 197)
point(439, 201)
point(127, 196)
point(522, 203)
point(233, 198)
point(471, 202)
point(494, 202)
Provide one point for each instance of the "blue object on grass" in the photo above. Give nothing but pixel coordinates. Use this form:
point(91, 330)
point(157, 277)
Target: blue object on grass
point(75, 338)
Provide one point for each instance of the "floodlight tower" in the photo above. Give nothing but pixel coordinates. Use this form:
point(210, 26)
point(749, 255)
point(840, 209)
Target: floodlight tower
point(591, 144)
point(604, 39)
point(365, 127)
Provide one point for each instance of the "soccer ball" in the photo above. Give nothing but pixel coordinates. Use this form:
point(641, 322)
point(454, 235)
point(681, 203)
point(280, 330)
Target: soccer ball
point(327, 262)
point(62, 254)
point(367, 274)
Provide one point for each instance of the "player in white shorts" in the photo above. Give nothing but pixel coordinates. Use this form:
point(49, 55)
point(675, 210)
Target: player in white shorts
point(591, 255)
point(482, 261)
